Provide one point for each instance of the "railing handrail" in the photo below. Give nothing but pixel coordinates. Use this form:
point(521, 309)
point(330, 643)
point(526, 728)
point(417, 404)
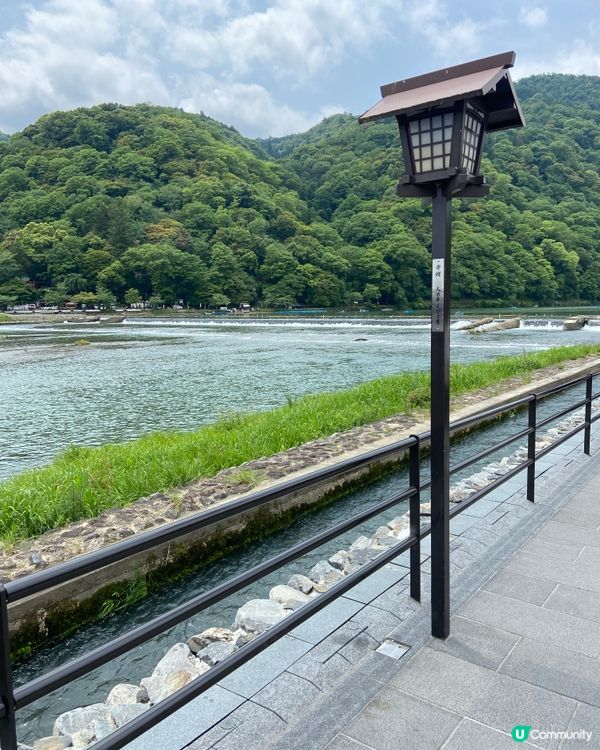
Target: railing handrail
point(13, 699)
point(93, 561)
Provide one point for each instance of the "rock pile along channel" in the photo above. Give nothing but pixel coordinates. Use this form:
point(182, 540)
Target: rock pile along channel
point(183, 662)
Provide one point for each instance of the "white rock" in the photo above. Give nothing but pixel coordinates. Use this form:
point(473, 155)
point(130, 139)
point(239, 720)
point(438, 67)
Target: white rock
point(362, 555)
point(124, 693)
point(384, 537)
point(52, 743)
point(458, 494)
point(302, 583)
point(400, 523)
point(215, 652)
point(363, 542)
point(288, 597)
point(340, 559)
point(125, 713)
point(83, 739)
point(242, 637)
point(324, 575)
point(161, 686)
point(178, 657)
point(258, 615)
point(78, 719)
point(210, 635)
point(95, 730)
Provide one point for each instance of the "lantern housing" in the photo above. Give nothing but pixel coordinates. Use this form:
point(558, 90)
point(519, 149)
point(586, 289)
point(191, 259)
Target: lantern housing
point(443, 117)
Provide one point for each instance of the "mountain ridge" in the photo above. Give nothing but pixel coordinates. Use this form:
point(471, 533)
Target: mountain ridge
point(126, 203)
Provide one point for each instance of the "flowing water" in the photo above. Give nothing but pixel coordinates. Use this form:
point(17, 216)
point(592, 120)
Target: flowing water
point(147, 375)
point(153, 374)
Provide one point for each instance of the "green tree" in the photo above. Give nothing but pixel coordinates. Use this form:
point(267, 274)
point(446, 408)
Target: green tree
point(132, 296)
point(105, 299)
point(9, 268)
point(84, 299)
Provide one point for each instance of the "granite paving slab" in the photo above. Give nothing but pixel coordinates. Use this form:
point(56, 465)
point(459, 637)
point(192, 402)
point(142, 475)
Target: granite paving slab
point(470, 735)
point(576, 574)
point(573, 601)
point(393, 719)
point(482, 694)
point(517, 586)
point(561, 670)
point(265, 667)
point(534, 622)
point(477, 643)
point(376, 584)
point(585, 719)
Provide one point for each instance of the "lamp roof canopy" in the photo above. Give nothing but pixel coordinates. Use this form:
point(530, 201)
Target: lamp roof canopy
point(486, 80)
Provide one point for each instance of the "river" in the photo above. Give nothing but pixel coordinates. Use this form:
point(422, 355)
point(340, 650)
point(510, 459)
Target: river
point(153, 374)
point(146, 375)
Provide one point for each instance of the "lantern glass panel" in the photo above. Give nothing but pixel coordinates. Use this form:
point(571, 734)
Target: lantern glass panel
point(472, 134)
point(436, 130)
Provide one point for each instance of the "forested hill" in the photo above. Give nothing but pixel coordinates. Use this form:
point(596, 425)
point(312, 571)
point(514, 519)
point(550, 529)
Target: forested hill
point(147, 202)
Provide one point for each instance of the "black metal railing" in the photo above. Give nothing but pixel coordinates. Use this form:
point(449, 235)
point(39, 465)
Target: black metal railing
point(12, 699)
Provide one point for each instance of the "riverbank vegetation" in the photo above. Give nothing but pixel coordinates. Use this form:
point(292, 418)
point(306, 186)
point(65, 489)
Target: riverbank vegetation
point(119, 203)
point(82, 482)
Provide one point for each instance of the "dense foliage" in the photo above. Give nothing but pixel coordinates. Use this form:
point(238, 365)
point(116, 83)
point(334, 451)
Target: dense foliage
point(149, 203)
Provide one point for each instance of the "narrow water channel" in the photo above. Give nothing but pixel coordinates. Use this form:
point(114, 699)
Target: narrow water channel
point(37, 720)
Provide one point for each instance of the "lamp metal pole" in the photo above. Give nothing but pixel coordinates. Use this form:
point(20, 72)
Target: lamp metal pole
point(440, 415)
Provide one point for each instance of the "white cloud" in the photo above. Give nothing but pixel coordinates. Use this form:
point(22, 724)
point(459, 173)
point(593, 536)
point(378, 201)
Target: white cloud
point(533, 17)
point(294, 39)
point(581, 58)
point(252, 105)
point(200, 54)
point(446, 37)
point(216, 55)
point(63, 57)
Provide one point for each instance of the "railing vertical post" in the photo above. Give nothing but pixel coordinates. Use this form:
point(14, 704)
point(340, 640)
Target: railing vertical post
point(415, 518)
point(531, 449)
point(8, 726)
point(587, 434)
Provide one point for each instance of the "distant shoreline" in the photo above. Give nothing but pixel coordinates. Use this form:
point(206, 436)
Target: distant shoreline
point(168, 314)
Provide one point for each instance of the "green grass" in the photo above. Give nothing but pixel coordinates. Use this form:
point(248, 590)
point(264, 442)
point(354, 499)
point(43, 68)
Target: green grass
point(82, 482)
point(4, 318)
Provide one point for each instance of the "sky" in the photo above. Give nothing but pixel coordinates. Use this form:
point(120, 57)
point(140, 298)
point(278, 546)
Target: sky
point(268, 68)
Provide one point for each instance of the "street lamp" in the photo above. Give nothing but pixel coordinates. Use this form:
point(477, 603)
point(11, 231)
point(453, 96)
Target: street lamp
point(443, 117)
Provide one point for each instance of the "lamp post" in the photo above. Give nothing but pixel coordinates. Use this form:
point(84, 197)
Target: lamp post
point(443, 117)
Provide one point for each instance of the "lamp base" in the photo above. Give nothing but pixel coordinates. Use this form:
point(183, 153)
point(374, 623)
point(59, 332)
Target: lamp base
point(458, 186)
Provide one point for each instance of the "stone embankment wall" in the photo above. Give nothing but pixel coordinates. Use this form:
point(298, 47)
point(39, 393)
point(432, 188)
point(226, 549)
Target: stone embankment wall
point(65, 607)
point(183, 662)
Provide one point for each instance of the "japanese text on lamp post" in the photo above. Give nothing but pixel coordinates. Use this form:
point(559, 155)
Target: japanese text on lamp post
point(437, 295)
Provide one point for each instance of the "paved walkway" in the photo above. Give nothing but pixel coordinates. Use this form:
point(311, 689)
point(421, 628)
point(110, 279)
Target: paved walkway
point(524, 646)
point(524, 650)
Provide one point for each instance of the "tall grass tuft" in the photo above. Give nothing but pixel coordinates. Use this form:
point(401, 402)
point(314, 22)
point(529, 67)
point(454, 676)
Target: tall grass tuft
point(82, 482)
